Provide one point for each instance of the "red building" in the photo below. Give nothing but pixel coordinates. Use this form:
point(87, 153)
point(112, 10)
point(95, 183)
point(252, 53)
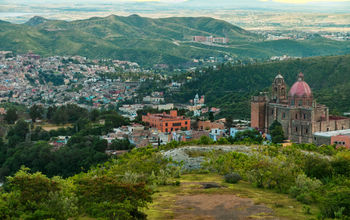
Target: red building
point(167, 122)
point(341, 140)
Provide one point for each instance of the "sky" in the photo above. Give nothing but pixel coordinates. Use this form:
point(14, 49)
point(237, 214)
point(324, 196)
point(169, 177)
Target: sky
point(139, 6)
point(234, 2)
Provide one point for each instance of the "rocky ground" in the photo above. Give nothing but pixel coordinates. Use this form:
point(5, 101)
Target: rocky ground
point(193, 156)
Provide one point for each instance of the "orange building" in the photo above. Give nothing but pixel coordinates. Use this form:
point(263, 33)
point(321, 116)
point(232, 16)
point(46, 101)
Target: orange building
point(167, 122)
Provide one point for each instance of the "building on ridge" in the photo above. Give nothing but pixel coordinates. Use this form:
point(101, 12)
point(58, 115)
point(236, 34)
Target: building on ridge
point(297, 111)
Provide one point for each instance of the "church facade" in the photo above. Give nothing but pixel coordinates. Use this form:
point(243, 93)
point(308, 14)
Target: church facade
point(296, 110)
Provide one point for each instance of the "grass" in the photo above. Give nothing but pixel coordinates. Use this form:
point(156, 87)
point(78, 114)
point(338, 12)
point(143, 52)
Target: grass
point(284, 207)
point(195, 153)
point(49, 127)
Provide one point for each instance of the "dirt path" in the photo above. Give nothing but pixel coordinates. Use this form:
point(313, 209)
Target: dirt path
point(217, 206)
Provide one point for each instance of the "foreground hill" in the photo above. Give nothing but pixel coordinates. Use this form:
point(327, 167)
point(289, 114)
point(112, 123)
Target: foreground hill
point(151, 41)
point(231, 87)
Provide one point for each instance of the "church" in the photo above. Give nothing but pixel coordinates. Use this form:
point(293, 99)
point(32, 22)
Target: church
point(297, 111)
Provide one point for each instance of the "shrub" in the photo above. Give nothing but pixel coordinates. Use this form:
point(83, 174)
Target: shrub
point(223, 141)
point(336, 202)
point(205, 140)
point(107, 197)
point(305, 189)
point(341, 164)
point(317, 167)
point(232, 178)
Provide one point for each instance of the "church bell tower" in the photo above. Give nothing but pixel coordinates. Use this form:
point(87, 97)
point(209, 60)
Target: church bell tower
point(279, 90)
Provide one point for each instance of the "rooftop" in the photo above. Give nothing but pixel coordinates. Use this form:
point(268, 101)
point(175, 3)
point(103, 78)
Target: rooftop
point(333, 133)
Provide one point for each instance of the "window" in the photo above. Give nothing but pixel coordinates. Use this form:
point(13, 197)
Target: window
point(166, 124)
point(284, 115)
point(177, 124)
point(292, 102)
point(306, 131)
point(304, 116)
point(300, 102)
point(296, 129)
point(296, 116)
point(166, 130)
point(327, 129)
point(272, 112)
point(172, 129)
point(185, 122)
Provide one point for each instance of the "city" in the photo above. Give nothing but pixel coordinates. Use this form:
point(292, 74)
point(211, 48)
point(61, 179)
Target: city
point(174, 109)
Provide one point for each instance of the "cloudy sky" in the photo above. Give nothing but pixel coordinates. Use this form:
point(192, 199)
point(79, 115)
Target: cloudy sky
point(243, 2)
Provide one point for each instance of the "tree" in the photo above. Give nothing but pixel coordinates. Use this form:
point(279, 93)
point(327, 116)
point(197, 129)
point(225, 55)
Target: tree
point(121, 145)
point(2, 151)
point(50, 112)
point(229, 122)
point(336, 202)
point(211, 116)
point(195, 124)
point(36, 111)
point(276, 132)
point(35, 196)
point(106, 196)
point(94, 114)
point(11, 116)
point(317, 167)
point(18, 133)
point(248, 136)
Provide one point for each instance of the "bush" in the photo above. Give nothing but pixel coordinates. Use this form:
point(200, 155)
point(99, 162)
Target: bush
point(223, 141)
point(305, 189)
point(317, 167)
point(232, 178)
point(336, 202)
point(205, 140)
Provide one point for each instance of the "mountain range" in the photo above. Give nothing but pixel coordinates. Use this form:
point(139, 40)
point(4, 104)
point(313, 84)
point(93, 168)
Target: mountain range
point(152, 41)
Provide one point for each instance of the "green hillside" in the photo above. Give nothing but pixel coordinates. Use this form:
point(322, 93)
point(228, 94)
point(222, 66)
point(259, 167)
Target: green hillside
point(151, 41)
point(230, 87)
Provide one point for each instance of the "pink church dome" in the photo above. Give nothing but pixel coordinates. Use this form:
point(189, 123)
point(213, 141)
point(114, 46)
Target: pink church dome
point(300, 88)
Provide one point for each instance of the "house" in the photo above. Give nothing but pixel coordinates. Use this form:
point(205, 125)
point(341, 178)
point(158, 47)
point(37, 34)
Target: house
point(217, 133)
point(208, 125)
point(339, 138)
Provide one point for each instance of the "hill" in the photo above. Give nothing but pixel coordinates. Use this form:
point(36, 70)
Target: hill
point(231, 86)
point(151, 41)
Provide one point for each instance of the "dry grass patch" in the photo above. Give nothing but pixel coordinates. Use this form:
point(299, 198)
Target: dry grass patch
point(242, 200)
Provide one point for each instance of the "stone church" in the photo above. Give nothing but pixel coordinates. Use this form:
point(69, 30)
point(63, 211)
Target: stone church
point(296, 110)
